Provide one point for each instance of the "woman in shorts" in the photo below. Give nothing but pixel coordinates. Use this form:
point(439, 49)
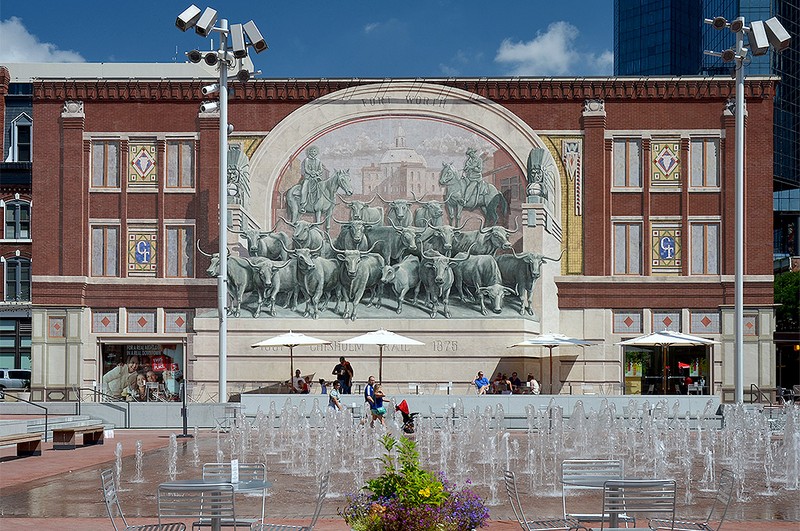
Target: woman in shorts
point(378, 410)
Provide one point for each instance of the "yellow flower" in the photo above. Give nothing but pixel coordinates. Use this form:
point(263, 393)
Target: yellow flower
point(376, 509)
point(426, 492)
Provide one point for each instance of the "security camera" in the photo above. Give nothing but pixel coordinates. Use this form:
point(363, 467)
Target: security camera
point(230, 129)
point(778, 36)
point(237, 41)
point(206, 22)
point(258, 42)
point(188, 18)
point(210, 89)
point(757, 38)
point(209, 106)
point(195, 56)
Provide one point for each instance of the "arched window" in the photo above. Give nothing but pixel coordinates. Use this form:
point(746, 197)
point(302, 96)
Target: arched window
point(18, 279)
point(17, 220)
point(21, 136)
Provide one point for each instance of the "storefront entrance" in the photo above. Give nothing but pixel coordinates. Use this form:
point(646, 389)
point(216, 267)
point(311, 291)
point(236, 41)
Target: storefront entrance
point(679, 371)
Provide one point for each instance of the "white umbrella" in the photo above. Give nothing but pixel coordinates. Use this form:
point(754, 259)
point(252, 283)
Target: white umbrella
point(551, 341)
point(291, 340)
point(666, 339)
point(381, 337)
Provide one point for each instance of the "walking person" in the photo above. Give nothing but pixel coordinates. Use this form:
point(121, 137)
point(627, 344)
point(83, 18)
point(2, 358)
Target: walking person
point(377, 410)
point(333, 397)
point(344, 373)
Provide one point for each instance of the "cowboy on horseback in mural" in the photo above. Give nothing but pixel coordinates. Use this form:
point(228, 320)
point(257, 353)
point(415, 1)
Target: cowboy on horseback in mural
point(473, 173)
point(313, 171)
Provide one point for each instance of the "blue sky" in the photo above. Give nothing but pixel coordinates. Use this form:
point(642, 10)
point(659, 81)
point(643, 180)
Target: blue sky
point(326, 38)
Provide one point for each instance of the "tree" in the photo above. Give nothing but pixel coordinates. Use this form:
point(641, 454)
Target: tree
point(787, 295)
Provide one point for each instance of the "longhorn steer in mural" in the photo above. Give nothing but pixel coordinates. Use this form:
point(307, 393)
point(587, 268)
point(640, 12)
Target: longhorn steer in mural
point(322, 205)
point(442, 238)
point(399, 213)
point(429, 213)
point(308, 235)
point(316, 276)
point(402, 278)
point(520, 272)
point(456, 199)
point(481, 273)
point(359, 270)
point(436, 272)
point(266, 244)
point(241, 278)
point(274, 278)
point(486, 240)
point(352, 235)
point(361, 210)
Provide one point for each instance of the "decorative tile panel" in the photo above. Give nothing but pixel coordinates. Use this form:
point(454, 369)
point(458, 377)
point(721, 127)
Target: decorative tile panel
point(141, 322)
point(669, 320)
point(57, 326)
point(666, 246)
point(176, 321)
point(105, 322)
point(665, 167)
point(704, 322)
point(571, 156)
point(627, 322)
point(142, 255)
point(142, 168)
point(750, 325)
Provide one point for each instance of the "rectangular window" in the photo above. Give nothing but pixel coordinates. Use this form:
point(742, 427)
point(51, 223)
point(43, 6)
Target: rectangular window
point(180, 251)
point(105, 164)
point(705, 249)
point(627, 158)
point(180, 164)
point(23, 140)
point(18, 221)
point(704, 156)
point(18, 279)
point(105, 251)
point(627, 249)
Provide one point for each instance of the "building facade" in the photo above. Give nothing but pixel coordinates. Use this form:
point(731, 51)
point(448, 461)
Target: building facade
point(619, 192)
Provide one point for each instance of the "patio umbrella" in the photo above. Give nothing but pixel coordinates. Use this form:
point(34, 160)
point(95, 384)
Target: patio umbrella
point(666, 339)
point(551, 341)
point(381, 338)
point(291, 340)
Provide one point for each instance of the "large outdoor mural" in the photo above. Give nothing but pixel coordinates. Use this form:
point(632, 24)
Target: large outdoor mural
point(389, 216)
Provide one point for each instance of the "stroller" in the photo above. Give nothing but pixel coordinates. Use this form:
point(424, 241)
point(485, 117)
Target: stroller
point(408, 418)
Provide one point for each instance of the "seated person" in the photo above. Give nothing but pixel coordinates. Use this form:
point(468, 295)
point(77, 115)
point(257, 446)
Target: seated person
point(534, 385)
point(516, 383)
point(501, 384)
point(299, 384)
point(481, 383)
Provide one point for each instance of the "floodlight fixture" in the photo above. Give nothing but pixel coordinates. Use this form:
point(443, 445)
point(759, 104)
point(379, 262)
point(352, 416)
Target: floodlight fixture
point(237, 41)
point(211, 58)
point(757, 37)
point(778, 36)
point(195, 56)
point(256, 40)
point(718, 22)
point(243, 75)
point(209, 106)
point(736, 25)
point(728, 55)
point(188, 18)
point(206, 22)
point(210, 89)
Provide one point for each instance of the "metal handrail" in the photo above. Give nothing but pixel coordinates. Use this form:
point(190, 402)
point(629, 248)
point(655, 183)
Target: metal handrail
point(3, 395)
point(759, 395)
point(109, 403)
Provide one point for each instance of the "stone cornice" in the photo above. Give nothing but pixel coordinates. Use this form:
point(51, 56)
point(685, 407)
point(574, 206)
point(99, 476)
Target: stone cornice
point(501, 90)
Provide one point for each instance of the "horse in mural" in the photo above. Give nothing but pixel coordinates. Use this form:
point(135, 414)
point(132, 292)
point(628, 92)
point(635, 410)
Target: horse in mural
point(322, 197)
point(456, 200)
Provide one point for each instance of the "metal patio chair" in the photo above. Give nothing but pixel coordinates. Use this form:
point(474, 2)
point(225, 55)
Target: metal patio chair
point(221, 472)
point(210, 504)
point(115, 510)
point(323, 491)
point(632, 497)
point(581, 475)
point(549, 524)
point(715, 517)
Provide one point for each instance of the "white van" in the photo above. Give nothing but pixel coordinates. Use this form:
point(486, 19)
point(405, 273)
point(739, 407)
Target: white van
point(15, 379)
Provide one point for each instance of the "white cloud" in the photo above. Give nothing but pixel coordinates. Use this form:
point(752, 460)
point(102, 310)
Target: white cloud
point(553, 53)
point(369, 28)
point(17, 45)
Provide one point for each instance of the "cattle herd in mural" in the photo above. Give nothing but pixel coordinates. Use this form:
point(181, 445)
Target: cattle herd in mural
point(390, 257)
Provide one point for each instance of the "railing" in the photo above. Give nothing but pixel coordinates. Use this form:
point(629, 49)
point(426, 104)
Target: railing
point(110, 400)
point(757, 395)
point(3, 396)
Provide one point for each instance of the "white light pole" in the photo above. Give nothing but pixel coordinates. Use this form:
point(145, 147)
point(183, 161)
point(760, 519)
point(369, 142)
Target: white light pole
point(761, 36)
point(203, 23)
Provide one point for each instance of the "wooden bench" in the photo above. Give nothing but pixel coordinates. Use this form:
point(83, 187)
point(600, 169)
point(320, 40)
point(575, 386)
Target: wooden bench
point(64, 438)
point(27, 443)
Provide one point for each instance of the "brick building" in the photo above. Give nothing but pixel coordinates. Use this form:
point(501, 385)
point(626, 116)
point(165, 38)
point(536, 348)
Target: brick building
point(626, 184)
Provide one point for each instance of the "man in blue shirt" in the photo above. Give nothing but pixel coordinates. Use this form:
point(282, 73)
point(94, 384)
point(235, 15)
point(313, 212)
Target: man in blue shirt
point(369, 392)
point(481, 383)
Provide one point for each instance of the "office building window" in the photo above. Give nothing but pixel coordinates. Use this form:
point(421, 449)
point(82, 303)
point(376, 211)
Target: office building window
point(627, 159)
point(18, 220)
point(627, 249)
point(704, 157)
point(18, 279)
point(105, 251)
point(105, 164)
point(180, 164)
point(705, 249)
point(180, 251)
point(21, 131)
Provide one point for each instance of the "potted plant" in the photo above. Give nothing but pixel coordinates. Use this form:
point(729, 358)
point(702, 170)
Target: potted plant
point(408, 498)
